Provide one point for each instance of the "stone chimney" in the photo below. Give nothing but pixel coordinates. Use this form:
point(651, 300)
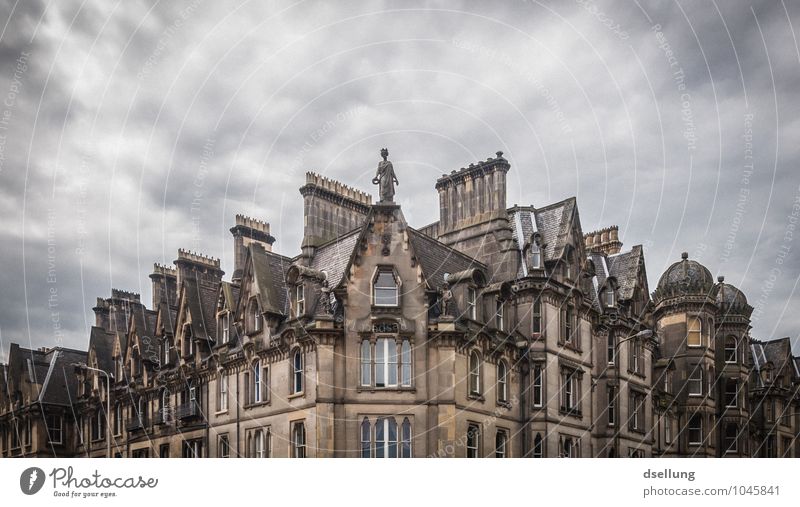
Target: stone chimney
point(205, 269)
point(473, 217)
point(112, 313)
point(330, 209)
point(165, 285)
point(248, 230)
point(603, 241)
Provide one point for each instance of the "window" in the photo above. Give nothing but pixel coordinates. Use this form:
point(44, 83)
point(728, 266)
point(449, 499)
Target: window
point(98, 428)
point(611, 349)
point(731, 437)
point(166, 358)
point(769, 410)
point(474, 374)
point(695, 429)
point(300, 298)
point(193, 448)
point(254, 315)
point(570, 391)
point(731, 350)
point(568, 323)
point(499, 316)
point(55, 429)
point(694, 335)
point(224, 447)
point(384, 288)
point(536, 255)
point(366, 363)
point(636, 407)
point(164, 409)
point(538, 446)
point(608, 298)
point(538, 387)
point(568, 265)
point(386, 362)
point(537, 316)
point(366, 439)
point(222, 392)
point(612, 406)
point(502, 382)
point(405, 443)
point(501, 444)
point(298, 440)
point(667, 381)
point(257, 383)
point(668, 429)
point(224, 325)
point(118, 419)
point(570, 447)
point(405, 370)
point(636, 357)
point(473, 441)
point(163, 451)
point(731, 392)
point(261, 442)
point(770, 446)
point(696, 381)
point(386, 438)
point(472, 303)
point(297, 372)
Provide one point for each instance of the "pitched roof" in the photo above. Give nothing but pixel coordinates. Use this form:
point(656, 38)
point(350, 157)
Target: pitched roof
point(624, 266)
point(201, 302)
point(61, 386)
point(552, 222)
point(436, 258)
point(102, 342)
point(334, 257)
point(269, 273)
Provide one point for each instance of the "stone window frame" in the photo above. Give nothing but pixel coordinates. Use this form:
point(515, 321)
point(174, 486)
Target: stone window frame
point(384, 268)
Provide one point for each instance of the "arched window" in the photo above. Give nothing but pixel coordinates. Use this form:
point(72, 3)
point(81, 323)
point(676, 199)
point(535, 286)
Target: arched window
point(569, 261)
point(473, 441)
point(298, 440)
point(474, 373)
point(366, 436)
point(609, 298)
point(537, 316)
point(366, 363)
point(731, 349)
point(386, 438)
point(257, 382)
point(405, 446)
point(297, 372)
point(384, 288)
point(538, 446)
point(536, 255)
point(694, 332)
point(502, 381)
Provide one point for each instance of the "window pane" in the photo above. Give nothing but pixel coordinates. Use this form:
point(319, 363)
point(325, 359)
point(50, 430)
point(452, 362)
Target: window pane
point(392, 438)
point(406, 446)
point(366, 365)
point(365, 439)
point(380, 362)
point(380, 439)
point(391, 354)
point(406, 358)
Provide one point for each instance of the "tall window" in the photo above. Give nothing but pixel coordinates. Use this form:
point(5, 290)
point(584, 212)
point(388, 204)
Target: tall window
point(300, 299)
point(537, 316)
point(118, 419)
point(637, 411)
point(255, 316)
point(405, 442)
point(224, 326)
point(694, 334)
point(608, 298)
point(261, 442)
point(472, 303)
point(257, 383)
point(297, 372)
point(298, 440)
point(222, 392)
point(696, 381)
point(366, 439)
point(502, 381)
point(611, 348)
point(612, 406)
point(366, 363)
point(473, 441)
point(405, 367)
point(731, 349)
point(536, 255)
point(385, 362)
point(695, 427)
point(568, 323)
point(474, 373)
point(165, 411)
point(223, 447)
point(568, 260)
point(384, 288)
point(731, 392)
point(386, 438)
point(501, 444)
point(570, 391)
point(636, 357)
point(731, 437)
point(499, 316)
point(538, 446)
point(193, 448)
point(668, 429)
point(538, 387)
point(55, 429)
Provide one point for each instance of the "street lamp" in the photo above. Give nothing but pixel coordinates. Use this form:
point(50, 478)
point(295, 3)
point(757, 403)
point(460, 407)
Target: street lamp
point(84, 367)
point(646, 333)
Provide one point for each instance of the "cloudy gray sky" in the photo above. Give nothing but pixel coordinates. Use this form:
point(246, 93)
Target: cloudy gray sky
point(128, 130)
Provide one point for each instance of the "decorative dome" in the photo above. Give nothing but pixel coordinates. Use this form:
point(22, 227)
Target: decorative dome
point(730, 299)
point(685, 278)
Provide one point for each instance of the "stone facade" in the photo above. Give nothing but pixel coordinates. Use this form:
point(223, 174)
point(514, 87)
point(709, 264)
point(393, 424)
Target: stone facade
point(496, 331)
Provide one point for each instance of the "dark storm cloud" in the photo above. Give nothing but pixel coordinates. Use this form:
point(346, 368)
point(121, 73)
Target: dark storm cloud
point(140, 129)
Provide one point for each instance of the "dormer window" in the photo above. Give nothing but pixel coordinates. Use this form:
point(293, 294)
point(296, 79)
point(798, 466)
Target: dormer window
point(300, 300)
point(472, 303)
point(609, 298)
point(254, 316)
point(385, 288)
point(499, 317)
point(536, 256)
point(224, 327)
point(569, 260)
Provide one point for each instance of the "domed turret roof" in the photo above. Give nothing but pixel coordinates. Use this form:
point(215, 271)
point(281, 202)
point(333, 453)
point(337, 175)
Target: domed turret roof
point(730, 299)
point(685, 278)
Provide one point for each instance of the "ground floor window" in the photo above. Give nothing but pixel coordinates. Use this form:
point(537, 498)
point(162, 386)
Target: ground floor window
point(163, 451)
point(224, 447)
point(385, 437)
point(473, 441)
point(193, 448)
point(501, 444)
point(299, 440)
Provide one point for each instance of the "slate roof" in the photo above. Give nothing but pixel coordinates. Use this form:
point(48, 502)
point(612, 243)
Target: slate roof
point(552, 222)
point(269, 272)
point(624, 266)
point(436, 258)
point(334, 257)
point(201, 302)
point(61, 386)
point(102, 342)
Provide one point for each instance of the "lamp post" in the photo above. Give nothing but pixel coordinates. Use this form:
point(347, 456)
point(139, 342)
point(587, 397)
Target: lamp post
point(84, 367)
point(647, 333)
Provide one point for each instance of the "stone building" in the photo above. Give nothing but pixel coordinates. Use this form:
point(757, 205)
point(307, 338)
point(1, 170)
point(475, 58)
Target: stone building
point(496, 331)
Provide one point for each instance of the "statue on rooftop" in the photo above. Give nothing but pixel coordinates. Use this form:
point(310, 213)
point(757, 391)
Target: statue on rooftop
point(385, 178)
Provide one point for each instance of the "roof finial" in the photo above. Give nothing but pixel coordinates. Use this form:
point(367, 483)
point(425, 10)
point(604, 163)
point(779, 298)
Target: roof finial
point(685, 255)
point(720, 278)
